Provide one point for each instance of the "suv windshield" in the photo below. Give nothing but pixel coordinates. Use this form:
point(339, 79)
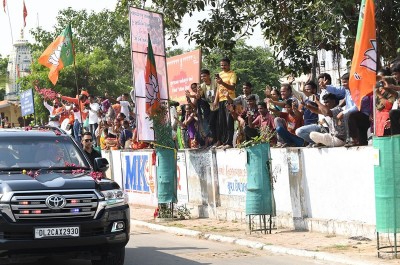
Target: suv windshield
point(40, 152)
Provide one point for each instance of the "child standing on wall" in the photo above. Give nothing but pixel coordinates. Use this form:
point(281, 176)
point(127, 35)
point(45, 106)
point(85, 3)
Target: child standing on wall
point(190, 123)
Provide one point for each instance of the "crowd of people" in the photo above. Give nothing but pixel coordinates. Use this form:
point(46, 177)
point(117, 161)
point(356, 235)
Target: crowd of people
point(317, 115)
point(107, 122)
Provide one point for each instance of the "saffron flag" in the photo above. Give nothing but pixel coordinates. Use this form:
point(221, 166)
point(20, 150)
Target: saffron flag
point(25, 13)
point(151, 80)
point(4, 5)
point(363, 66)
point(59, 54)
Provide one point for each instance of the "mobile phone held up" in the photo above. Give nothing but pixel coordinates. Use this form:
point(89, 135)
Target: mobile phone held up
point(380, 84)
point(217, 76)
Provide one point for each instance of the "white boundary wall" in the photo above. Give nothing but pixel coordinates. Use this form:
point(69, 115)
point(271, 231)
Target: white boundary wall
point(328, 190)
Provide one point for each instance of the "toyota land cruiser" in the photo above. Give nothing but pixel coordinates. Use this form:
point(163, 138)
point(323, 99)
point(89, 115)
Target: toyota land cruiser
point(53, 202)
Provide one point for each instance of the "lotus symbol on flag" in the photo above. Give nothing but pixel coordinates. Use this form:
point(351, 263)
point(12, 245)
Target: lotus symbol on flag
point(370, 57)
point(152, 89)
point(55, 56)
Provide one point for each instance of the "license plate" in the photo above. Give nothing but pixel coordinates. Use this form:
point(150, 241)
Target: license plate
point(53, 232)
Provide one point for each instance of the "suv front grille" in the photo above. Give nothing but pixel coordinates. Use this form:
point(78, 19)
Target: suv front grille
point(29, 206)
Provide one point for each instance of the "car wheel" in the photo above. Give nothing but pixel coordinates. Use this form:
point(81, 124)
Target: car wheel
point(113, 257)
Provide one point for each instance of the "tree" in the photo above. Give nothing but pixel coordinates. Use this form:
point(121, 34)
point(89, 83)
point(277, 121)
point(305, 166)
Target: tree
point(3, 65)
point(103, 56)
point(3, 74)
point(295, 29)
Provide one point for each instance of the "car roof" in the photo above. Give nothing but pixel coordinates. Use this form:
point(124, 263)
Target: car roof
point(34, 132)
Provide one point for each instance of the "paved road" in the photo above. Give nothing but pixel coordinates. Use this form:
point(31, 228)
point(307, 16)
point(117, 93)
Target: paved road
point(159, 248)
point(153, 248)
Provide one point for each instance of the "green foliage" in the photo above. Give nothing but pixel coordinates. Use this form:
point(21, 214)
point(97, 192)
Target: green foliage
point(103, 57)
point(183, 212)
point(266, 135)
point(2, 90)
point(3, 65)
point(294, 29)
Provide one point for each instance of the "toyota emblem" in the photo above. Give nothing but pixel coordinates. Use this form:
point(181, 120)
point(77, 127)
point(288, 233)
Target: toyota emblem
point(56, 201)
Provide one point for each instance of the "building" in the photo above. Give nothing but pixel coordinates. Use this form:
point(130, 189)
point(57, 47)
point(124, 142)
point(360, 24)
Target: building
point(19, 65)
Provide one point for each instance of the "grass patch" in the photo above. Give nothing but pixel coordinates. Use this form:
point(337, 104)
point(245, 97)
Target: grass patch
point(338, 247)
point(179, 225)
point(243, 251)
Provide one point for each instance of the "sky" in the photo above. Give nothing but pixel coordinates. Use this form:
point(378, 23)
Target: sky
point(44, 12)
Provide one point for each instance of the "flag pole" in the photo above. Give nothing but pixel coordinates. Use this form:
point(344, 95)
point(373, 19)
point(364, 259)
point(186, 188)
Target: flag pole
point(76, 80)
point(73, 50)
point(9, 21)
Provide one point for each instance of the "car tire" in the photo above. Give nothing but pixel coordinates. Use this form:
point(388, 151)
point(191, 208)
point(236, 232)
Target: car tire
point(114, 257)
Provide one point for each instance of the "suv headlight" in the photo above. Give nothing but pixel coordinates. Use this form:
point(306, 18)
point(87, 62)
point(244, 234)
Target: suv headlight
point(114, 198)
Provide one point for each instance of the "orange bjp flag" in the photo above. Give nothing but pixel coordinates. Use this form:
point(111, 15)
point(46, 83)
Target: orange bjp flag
point(151, 80)
point(363, 66)
point(59, 54)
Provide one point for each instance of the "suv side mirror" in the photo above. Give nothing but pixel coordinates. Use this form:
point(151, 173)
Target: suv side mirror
point(100, 164)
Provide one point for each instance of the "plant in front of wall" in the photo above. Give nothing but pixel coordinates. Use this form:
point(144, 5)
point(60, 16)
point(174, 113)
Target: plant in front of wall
point(183, 212)
point(266, 135)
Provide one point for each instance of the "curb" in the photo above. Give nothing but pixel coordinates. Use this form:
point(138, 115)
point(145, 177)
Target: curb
point(250, 244)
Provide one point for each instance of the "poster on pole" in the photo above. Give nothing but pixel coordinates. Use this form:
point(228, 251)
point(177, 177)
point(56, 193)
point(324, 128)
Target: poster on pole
point(148, 67)
point(26, 99)
point(183, 70)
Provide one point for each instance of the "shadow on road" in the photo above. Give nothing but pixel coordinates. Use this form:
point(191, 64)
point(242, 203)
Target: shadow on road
point(159, 256)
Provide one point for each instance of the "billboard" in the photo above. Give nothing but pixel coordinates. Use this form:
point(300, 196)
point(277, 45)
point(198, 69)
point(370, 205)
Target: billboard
point(183, 70)
point(145, 24)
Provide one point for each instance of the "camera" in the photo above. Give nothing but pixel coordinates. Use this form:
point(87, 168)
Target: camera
point(217, 76)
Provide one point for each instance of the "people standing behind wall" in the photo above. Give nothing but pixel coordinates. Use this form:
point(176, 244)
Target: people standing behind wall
point(384, 100)
point(226, 81)
point(349, 108)
point(310, 118)
point(190, 123)
point(337, 132)
point(200, 105)
point(209, 87)
point(360, 121)
point(287, 124)
point(394, 122)
point(94, 109)
point(264, 122)
point(242, 99)
point(126, 135)
point(275, 95)
point(248, 115)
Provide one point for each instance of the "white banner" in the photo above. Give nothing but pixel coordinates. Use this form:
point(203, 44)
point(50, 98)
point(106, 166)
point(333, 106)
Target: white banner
point(232, 173)
point(142, 24)
point(139, 177)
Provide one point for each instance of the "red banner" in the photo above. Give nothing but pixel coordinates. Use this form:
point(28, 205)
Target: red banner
point(182, 71)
